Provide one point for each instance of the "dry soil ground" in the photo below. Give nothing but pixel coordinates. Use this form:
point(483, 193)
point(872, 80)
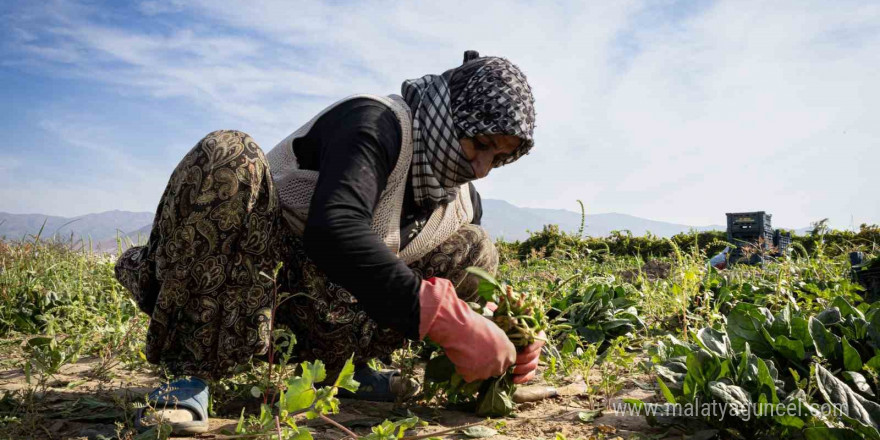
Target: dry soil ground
point(76, 405)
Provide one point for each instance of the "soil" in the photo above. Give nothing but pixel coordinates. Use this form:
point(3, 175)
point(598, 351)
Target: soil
point(653, 270)
point(75, 405)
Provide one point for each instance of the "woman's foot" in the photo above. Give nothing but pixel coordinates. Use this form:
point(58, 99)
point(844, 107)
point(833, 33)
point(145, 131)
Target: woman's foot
point(182, 404)
point(381, 386)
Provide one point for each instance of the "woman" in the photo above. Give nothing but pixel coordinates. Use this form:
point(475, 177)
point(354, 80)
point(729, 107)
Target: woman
point(370, 208)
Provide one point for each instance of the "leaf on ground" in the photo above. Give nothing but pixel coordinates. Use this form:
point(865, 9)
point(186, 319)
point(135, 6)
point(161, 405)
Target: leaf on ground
point(589, 416)
point(479, 431)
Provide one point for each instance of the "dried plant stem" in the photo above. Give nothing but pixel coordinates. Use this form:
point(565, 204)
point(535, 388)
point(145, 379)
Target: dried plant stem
point(445, 431)
point(336, 424)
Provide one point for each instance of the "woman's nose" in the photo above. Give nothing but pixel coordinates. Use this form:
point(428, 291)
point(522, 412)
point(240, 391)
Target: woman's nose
point(482, 164)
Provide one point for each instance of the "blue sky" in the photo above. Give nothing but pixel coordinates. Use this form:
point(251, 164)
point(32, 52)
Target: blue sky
point(671, 110)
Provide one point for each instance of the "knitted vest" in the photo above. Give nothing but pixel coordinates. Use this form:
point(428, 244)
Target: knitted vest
point(296, 186)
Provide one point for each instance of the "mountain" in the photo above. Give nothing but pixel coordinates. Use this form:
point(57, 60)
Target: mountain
point(97, 227)
point(500, 218)
point(504, 220)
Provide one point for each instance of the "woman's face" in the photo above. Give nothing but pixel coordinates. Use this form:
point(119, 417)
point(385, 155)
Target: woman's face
point(487, 150)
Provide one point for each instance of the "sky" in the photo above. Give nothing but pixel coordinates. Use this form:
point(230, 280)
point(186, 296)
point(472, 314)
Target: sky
point(678, 111)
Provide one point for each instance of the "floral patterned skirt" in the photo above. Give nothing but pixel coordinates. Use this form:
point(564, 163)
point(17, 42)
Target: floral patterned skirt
point(217, 227)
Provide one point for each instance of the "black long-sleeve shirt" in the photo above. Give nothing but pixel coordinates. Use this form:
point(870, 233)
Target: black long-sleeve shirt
point(354, 147)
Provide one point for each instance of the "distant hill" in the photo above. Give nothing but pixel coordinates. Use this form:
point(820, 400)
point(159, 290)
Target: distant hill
point(500, 218)
point(98, 227)
point(504, 220)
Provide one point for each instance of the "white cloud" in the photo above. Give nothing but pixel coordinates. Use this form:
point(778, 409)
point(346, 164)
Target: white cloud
point(651, 110)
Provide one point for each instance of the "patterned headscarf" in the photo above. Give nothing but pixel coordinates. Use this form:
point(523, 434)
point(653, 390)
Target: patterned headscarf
point(487, 95)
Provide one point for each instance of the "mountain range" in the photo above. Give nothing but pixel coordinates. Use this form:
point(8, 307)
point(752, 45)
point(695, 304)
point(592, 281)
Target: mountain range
point(95, 227)
point(502, 219)
point(505, 220)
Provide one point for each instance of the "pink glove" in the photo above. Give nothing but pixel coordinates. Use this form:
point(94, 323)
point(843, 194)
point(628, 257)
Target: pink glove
point(527, 358)
point(477, 347)
point(527, 361)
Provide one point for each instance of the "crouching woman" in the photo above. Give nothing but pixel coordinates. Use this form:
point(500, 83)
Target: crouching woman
point(369, 207)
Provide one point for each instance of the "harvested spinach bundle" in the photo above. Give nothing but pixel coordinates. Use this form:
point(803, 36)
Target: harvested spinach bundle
point(521, 316)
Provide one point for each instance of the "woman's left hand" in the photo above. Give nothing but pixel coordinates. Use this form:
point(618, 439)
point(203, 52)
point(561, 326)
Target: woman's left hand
point(527, 360)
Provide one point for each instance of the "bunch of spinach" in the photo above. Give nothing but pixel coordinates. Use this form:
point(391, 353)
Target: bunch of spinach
point(521, 316)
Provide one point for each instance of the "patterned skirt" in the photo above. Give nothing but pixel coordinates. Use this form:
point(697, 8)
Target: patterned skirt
point(217, 227)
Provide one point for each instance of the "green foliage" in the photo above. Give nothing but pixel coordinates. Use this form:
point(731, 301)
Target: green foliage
point(796, 331)
point(759, 358)
point(596, 311)
point(40, 281)
point(553, 242)
point(300, 395)
point(389, 430)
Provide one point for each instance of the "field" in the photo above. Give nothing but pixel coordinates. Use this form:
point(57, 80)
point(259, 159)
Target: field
point(632, 323)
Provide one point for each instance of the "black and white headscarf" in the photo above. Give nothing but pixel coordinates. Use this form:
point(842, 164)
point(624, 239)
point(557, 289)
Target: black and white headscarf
point(487, 95)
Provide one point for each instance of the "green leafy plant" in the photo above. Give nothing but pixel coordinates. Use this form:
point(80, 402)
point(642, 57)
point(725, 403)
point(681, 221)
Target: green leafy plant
point(597, 312)
point(760, 360)
point(300, 396)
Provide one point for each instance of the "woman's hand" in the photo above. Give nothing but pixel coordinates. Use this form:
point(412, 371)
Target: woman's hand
point(528, 356)
point(478, 348)
point(527, 360)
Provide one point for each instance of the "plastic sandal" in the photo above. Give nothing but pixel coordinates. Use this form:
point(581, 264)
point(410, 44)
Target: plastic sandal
point(381, 386)
point(190, 394)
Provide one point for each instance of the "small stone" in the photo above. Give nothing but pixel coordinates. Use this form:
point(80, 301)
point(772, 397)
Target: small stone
point(533, 393)
point(573, 389)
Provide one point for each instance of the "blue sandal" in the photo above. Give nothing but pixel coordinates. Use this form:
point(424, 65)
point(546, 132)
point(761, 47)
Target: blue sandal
point(187, 394)
point(381, 386)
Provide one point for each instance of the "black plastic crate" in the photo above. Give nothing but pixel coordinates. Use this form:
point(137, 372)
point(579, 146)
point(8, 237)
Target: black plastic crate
point(752, 239)
point(781, 241)
point(755, 242)
point(749, 224)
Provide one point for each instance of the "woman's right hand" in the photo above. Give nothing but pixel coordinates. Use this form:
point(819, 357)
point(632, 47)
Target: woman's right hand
point(478, 348)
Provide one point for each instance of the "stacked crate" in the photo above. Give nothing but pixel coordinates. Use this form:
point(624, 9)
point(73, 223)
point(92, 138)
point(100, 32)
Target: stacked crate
point(754, 230)
point(781, 241)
